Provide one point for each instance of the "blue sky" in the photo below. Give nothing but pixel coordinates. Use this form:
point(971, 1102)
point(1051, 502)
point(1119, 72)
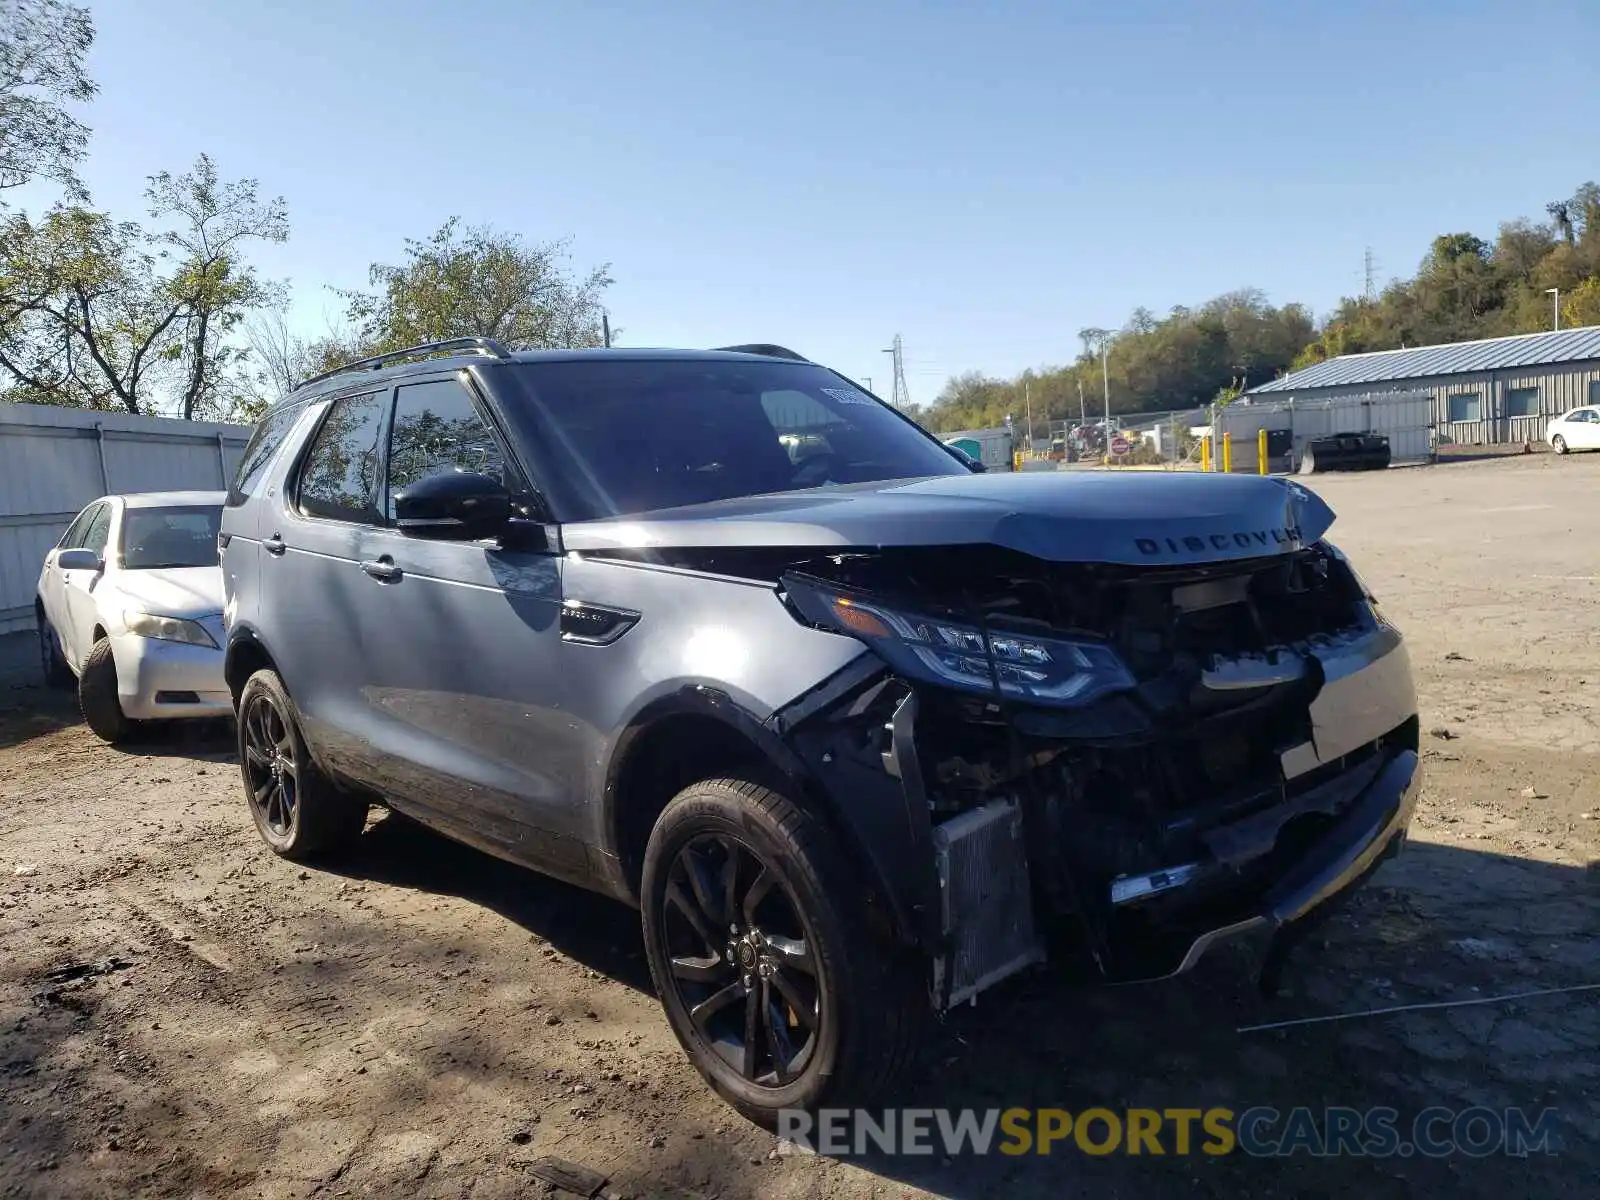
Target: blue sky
point(984, 179)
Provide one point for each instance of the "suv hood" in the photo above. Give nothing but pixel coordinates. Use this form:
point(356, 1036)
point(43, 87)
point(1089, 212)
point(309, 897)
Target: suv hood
point(1133, 518)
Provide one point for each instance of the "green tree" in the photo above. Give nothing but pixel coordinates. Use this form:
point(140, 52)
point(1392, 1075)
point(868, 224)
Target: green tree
point(467, 281)
point(99, 313)
point(1581, 306)
point(43, 44)
point(85, 319)
point(210, 223)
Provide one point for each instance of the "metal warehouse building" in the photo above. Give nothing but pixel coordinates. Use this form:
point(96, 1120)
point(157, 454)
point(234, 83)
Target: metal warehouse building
point(1493, 391)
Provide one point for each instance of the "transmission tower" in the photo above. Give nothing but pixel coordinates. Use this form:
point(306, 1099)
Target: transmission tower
point(1371, 292)
point(900, 396)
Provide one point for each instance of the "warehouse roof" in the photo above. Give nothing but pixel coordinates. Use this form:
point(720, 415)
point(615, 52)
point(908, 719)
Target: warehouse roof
point(1455, 358)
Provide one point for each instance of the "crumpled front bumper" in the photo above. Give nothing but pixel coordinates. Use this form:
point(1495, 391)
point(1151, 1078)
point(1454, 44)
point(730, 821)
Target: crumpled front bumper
point(1371, 830)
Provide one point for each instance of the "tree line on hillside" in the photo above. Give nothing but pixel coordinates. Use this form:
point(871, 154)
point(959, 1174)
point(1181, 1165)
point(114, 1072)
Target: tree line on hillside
point(1465, 288)
point(169, 314)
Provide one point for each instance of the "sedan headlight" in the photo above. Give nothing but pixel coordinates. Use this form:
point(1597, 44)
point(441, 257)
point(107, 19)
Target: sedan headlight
point(1045, 670)
point(168, 629)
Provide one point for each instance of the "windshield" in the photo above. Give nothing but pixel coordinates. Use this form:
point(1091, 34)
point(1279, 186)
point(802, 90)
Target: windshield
point(170, 537)
point(630, 436)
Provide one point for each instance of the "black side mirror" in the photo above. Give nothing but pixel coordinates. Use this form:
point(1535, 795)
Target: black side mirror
point(458, 505)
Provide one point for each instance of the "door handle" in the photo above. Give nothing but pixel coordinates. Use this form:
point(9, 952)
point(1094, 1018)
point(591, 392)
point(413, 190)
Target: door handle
point(273, 544)
point(383, 570)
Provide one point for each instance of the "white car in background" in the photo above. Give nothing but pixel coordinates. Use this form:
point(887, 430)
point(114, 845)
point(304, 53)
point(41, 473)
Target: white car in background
point(130, 602)
point(1576, 430)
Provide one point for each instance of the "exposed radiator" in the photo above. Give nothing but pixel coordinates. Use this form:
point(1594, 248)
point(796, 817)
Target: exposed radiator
point(988, 904)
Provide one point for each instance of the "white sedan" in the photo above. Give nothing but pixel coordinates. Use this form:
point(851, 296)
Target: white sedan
point(1576, 430)
point(130, 602)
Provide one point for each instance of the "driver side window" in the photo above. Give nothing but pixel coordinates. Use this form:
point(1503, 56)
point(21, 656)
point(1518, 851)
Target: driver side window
point(99, 531)
point(437, 428)
point(73, 538)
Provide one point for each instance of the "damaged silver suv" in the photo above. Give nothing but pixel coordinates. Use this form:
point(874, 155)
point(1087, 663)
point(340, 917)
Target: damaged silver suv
point(860, 730)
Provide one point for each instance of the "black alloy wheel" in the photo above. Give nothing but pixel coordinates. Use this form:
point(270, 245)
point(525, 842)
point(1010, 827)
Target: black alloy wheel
point(271, 774)
point(740, 959)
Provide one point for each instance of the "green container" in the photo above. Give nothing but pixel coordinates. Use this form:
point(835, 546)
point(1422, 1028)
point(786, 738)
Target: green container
point(967, 446)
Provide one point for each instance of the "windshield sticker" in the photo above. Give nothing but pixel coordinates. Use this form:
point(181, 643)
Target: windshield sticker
point(847, 396)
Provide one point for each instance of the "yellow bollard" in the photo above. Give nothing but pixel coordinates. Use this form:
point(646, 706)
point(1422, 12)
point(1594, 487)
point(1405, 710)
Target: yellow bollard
point(1205, 454)
point(1227, 453)
point(1261, 451)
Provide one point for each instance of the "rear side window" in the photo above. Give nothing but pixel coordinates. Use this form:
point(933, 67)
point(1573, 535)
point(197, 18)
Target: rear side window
point(340, 473)
point(258, 452)
point(436, 429)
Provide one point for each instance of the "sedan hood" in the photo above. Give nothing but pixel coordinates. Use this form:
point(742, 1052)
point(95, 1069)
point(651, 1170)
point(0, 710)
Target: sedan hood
point(1132, 518)
point(174, 591)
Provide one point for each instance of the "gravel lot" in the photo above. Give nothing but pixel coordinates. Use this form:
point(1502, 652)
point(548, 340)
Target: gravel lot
point(181, 1014)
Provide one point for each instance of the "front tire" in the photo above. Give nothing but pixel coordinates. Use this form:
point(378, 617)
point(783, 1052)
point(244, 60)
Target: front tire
point(298, 810)
point(1559, 443)
point(759, 946)
point(97, 696)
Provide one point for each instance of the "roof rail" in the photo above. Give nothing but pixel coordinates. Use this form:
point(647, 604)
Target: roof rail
point(767, 349)
point(478, 345)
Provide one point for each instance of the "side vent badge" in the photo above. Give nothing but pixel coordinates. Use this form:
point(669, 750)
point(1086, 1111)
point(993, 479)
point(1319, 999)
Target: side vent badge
point(594, 624)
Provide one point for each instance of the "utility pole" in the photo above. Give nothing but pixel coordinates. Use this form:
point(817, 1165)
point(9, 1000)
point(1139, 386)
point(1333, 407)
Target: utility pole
point(1556, 292)
point(605, 324)
point(868, 378)
point(901, 395)
point(1083, 412)
point(1027, 395)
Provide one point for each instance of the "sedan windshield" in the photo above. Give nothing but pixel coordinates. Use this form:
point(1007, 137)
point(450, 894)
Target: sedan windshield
point(170, 537)
point(633, 435)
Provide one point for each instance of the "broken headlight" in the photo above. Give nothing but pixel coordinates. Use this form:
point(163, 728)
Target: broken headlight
point(939, 650)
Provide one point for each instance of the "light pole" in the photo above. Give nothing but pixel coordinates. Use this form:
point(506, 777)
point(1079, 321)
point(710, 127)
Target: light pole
point(1556, 292)
point(1105, 379)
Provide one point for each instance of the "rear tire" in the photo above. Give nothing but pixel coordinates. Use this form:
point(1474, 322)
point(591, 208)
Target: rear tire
point(299, 812)
point(52, 663)
point(1559, 444)
point(97, 696)
point(774, 953)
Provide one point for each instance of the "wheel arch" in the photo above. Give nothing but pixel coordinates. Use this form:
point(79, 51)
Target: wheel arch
point(692, 734)
point(245, 655)
point(701, 733)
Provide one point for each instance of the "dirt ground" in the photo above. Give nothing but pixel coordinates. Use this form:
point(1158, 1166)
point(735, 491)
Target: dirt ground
point(183, 1015)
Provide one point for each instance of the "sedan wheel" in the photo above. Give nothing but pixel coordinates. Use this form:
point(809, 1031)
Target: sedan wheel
point(52, 663)
point(1560, 444)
